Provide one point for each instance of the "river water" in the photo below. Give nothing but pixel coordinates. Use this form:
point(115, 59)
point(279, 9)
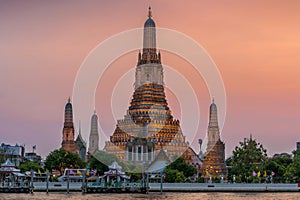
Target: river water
point(154, 196)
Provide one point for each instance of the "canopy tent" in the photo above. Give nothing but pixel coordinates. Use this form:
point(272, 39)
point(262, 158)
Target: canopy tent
point(115, 170)
point(8, 166)
point(18, 174)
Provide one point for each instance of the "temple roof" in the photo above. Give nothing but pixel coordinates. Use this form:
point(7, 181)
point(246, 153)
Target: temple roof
point(115, 165)
point(159, 163)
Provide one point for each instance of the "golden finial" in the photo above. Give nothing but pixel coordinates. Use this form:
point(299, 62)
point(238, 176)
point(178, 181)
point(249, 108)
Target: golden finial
point(69, 100)
point(149, 12)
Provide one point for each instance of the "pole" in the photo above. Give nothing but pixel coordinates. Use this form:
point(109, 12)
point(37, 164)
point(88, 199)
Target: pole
point(68, 181)
point(161, 183)
point(147, 183)
point(31, 182)
point(83, 181)
point(47, 183)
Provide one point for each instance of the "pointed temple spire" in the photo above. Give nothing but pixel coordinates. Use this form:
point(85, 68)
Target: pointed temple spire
point(213, 114)
point(79, 131)
point(214, 158)
point(94, 135)
point(149, 12)
point(68, 130)
point(69, 113)
point(149, 42)
point(148, 125)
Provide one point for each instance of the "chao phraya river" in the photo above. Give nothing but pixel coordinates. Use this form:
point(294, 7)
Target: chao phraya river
point(154, 195)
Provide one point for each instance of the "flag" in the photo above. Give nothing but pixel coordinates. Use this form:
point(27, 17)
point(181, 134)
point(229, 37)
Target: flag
point(197, 175)
point(39, 171)
point(265, 173)
point(273, 173)
point(79, 173)
point(94, 172)
point(71, 172)
point(207, 174)
point(254, 173)
point(87, 173)
point(258, 174)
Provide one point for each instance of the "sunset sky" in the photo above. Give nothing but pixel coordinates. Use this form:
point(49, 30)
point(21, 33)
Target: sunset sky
point(255, 44)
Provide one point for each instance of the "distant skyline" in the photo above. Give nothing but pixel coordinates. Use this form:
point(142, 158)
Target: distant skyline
point(255, 45)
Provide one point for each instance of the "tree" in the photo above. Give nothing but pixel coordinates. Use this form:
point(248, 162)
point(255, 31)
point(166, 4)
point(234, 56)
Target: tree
point(278, 164)
point(28, 165)
point(60, 159)
point(179, 170)
point(293, 170)
point(246, 158)
point(101, 160)
point(2, 156)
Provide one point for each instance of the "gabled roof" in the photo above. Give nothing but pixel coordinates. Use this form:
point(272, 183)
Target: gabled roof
point(80, 139)
point(115, 165)
point(159, 163)
point(7, 163)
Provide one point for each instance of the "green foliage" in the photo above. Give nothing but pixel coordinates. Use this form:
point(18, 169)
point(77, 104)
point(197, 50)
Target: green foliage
point(247, 157)
point(179, 171)
point(2, 156)
point(293, 169)
point(174, 176)
point(60, 159)
point(28, 165)
point(134, 176)
point(182, 166)
point(171, 175)
point(179, 177)
point(99, 166)
point(278, 165)
point(101, 160)
point(106, 158)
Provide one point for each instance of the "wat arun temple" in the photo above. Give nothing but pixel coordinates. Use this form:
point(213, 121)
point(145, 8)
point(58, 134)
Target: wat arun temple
point(148, 135)
point(148, 125)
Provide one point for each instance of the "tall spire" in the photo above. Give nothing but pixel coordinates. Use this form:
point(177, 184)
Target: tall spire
point(149, 12)
point(149, 43)
point(94, 135)
point(213, 114)
point(69, 114)
point(68, 130)
point(149, 68)
point(79, 128)
point(213, 127)
point(214, 158)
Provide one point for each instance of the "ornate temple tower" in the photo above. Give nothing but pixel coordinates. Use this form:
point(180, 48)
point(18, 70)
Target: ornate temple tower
point(214, 159)
point(68, 130)
point(148, 125)
point(94, 135)
point(80, 146)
